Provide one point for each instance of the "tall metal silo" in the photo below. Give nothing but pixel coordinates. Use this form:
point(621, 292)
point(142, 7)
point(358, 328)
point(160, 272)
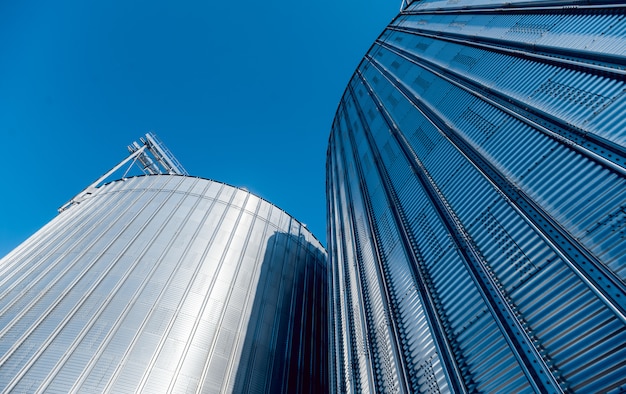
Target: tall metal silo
point(476, 186)
point(164, 283)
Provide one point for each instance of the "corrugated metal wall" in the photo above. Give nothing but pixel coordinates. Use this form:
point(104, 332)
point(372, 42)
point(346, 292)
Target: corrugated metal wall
point(165, 283)
point(477, 202)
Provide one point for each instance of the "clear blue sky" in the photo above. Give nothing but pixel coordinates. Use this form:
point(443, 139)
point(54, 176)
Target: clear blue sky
point(241, 92)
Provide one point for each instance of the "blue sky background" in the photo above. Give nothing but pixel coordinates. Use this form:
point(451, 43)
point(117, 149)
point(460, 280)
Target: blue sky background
point(241, 92)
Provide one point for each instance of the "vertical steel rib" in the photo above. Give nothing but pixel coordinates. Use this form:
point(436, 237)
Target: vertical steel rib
point(55, 239)
point(449, 362)
point(74, 308)
point(335, 293)
point(103, 306)
point(48, 310)
point(343, 282)
point(176, 374)
point(88, 368)
point(590, 145)
point(538, 372)
point(370, 331)
point(396, 344)
point(213, 343)
point(572, 59)
point(598, 277)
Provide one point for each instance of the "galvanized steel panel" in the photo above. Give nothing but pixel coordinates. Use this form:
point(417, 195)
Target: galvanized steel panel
point(488, 147)
point(163, 283)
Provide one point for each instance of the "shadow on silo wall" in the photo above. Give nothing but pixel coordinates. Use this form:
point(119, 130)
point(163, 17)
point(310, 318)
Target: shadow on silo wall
point(285, 346)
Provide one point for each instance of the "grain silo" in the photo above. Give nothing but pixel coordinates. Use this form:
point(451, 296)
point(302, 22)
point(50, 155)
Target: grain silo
point(164, 283)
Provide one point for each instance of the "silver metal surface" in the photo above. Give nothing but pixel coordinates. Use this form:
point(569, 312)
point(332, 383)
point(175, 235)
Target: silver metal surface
point(476, 198)
point(165, 283)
